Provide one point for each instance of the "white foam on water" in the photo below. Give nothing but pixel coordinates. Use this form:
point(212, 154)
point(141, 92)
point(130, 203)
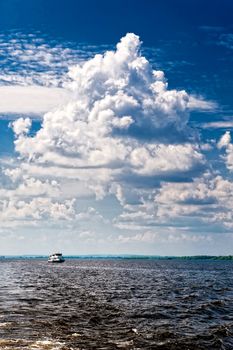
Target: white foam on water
point(47, 345)
point(21, 344)
point(5, 324)
point(9, 344)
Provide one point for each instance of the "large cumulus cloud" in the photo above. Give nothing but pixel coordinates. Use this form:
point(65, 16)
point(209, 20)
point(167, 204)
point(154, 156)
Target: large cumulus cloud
point(122, 117)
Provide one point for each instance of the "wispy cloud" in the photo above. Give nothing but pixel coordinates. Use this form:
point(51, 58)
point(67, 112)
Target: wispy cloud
point(217, 125)
point(33, 100)
point(32, 64)
point(198, 103)
point(34, 59)
point(226, 40)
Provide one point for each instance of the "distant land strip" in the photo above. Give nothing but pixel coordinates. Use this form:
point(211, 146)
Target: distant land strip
point(156, 257)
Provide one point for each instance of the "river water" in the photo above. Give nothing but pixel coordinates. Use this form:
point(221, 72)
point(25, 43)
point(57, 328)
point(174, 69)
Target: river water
point(116, 304)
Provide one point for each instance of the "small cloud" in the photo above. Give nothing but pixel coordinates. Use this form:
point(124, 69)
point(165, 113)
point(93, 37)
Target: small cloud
point(206, 147)
point(217, 125)
point(225, 140)
point(198, 103)
point(21, 126)
point(226, 40)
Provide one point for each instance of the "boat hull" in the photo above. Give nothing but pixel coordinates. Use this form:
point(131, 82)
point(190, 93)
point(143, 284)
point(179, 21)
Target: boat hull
point(56, 258)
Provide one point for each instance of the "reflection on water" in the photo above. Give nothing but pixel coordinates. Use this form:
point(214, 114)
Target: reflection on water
point(116, 304)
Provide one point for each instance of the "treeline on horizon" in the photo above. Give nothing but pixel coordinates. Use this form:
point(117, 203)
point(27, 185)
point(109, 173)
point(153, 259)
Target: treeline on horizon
point(207, 257)
point(158, 257)
point(187, 257)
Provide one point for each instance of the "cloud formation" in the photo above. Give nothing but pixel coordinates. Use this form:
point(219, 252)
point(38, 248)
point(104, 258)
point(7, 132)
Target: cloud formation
point(118, 119)
point(31, 100)
point(120, 134)
point(225, 143)
point(36, 60)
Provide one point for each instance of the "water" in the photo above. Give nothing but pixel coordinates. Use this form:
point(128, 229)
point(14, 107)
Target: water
point(116, 304)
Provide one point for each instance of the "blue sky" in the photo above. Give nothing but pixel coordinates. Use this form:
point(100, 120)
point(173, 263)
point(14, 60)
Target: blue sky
point(115, 126)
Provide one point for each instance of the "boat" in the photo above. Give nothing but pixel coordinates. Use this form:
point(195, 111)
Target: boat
point(56, 258)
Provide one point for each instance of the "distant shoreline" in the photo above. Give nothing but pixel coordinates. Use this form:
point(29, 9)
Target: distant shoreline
point(127, 256)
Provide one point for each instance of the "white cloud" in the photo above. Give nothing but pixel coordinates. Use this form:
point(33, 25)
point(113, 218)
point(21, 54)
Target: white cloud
point(217, 125)
point(209, 198)
point(31, 187)
point(225, 140)
point(118, 99)
point(206, 147)
point(206, 200)
point(35, 60)
point(34, 68)
point(226, 40)
point(21, 126)
point(159, 159)
point(25, 199)
point(198, 103)
point(36, 209)
point(164, 237)
point(119, 131)
point(89, 214)
point(31, 99)
point(14, 174)
point(229, 157)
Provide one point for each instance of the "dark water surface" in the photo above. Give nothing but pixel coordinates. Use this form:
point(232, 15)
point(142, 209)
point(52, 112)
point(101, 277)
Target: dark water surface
point(116, 304)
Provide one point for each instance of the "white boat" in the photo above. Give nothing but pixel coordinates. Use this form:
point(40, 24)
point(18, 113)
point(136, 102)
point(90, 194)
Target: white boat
point(56, 258)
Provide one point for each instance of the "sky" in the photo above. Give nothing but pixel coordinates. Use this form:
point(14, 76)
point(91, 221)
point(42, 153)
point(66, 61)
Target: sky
point(116, 127)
